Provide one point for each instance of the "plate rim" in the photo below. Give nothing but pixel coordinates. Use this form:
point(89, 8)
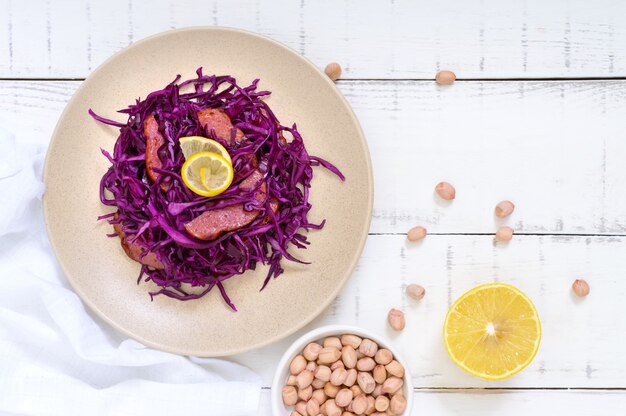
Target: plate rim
point(282, 335)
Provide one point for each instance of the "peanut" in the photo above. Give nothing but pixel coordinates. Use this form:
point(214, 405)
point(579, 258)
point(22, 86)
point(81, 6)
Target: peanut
point(580, 287)
point(290, 395)
point(351, 340)
point(328, 355)
point(383, 356)
point(445, 77)
point(348, 356)
point(504, 209)
point(333, 70)
point(397, 404)
point(415, 292)
point(312, 351)
point(368, 347)
point(366, 382)
point(445, 191)
point(305, 393)
point(380, 374)
point(416, 233)
point(504, 234)
point(396, 319)
point(298, 364)
point(395, 369)
point(365, 364)
point(304, 379)
point(343, 398)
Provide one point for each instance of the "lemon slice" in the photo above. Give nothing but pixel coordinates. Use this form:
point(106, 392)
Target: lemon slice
point(207, 173)
point(196, 144)
point(492, 331)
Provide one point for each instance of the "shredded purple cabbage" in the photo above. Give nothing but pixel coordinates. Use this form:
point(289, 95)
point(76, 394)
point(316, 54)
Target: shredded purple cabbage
point(155, 216)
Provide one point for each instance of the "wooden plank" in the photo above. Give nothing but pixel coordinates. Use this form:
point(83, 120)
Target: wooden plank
point(511, 403)
point(373, 39)
point(583, 340)
point(554, 148)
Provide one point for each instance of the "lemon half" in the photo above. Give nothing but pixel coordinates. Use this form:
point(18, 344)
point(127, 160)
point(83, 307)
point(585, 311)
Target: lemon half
point(492, 331)
point(207, 173)
point(195, 144)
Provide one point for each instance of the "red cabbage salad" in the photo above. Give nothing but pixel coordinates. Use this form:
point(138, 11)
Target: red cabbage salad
point(155, 210)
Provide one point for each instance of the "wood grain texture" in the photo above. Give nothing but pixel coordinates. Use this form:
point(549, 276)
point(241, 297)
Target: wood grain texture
point(582, 344)
point(511, 403)
point(554, 148)
point(504, 402)
point(371, 39)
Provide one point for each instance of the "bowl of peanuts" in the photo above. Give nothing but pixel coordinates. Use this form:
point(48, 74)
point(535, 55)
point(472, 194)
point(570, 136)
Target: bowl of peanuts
point(341, 370)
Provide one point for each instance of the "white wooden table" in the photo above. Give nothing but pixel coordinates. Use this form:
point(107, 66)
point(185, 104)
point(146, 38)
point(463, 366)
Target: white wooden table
point(537, 116)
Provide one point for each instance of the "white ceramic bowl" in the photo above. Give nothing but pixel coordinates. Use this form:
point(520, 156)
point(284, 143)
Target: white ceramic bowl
point(318, 334)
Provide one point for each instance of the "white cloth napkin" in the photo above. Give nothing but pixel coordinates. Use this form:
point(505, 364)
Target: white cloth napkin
point(58, 359)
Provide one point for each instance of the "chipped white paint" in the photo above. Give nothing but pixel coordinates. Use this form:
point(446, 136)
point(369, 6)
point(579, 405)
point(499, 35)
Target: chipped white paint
point(554, 148)
point(505, 402)
point(372, 39)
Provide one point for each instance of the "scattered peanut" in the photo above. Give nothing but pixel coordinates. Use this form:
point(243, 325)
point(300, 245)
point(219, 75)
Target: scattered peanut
point(311, 366)
point(445, 77)
point(504, 209)
point(291, 380)
point(396, 319)
point(504, 234)
point(416, 233)
point(290, 395)
point(333, 70)
point(294, 413)
point(445, 191)
point(580, 287)
point(312, 351)
point(415, 291)
point(297, 365)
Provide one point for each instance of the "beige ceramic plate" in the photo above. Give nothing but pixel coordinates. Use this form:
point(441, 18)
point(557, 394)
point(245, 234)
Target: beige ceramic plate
point(105, 278)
